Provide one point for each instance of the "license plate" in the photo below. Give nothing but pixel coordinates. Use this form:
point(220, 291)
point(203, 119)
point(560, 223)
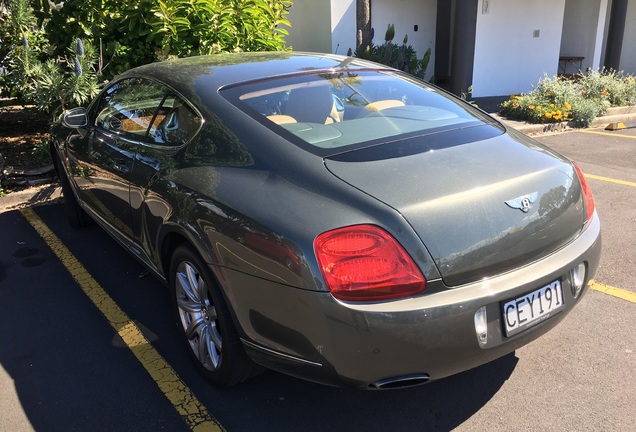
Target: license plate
point(532, 308)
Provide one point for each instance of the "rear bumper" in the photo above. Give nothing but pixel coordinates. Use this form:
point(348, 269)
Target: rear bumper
point(316, 337)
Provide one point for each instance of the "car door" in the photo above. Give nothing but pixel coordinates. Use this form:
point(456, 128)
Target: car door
point(174, 125)
point(102, 161)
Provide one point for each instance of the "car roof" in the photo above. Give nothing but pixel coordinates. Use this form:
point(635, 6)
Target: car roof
point(212, 72)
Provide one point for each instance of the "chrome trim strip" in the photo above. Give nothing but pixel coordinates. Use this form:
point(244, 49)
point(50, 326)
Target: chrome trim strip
point(279, 354)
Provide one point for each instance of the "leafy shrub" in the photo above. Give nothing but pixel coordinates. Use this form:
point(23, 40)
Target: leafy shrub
point(38, 66)
point(63, 82)
point(42, 150)
point(33, 75)
point(586, 111)
point(549, 102)
point(556, 99)
point(137, 32)
point(557, 90)
point(536, 109)
point(618, 89)
point(402, 57)
point(22, 44)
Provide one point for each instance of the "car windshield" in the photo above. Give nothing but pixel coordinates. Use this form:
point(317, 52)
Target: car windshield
point(327, 111)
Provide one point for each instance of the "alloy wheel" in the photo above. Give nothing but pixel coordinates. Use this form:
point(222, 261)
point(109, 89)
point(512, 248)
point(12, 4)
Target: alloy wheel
point(198, 316)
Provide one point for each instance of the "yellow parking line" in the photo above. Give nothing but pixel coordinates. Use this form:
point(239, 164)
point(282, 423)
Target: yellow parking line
point(184, 401)
point(611, 180)
point(608, 134)
point(616, 292)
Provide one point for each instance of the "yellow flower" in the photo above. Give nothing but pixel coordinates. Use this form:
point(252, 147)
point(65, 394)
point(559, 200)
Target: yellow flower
point(559, 113)
point(548, 115)
point(568, 106)
point(551, 105)
point(530, 107)
point(539, 108)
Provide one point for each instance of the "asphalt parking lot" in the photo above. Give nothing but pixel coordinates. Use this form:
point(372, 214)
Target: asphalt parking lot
point(64, 367)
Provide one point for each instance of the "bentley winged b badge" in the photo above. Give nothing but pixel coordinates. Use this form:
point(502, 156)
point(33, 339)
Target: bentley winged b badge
point(524, 202)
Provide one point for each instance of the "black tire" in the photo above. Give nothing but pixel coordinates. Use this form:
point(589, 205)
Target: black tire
point(205, 323)
point(76, 215)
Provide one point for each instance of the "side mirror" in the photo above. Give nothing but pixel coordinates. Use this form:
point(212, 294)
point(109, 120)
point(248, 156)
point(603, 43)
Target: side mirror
point(75, 118)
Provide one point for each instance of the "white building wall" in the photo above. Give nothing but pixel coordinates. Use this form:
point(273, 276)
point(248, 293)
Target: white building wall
point(343, 26)
point(405, 15)
point(628, 52)
point(508, 58)
point(327, 26)
point(310, 26)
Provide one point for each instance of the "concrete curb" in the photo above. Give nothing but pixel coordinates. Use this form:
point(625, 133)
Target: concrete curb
point(30, 197)
point(625, 115)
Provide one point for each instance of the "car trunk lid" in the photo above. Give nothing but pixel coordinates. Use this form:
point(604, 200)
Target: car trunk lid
point(480, 207)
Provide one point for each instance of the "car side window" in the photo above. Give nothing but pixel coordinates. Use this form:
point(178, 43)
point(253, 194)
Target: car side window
point(175, 123)
point(143, 110)
point(128, 107)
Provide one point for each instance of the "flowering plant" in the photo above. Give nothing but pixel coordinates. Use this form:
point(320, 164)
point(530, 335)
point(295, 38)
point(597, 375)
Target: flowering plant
point(560, 99)
point(525, 107)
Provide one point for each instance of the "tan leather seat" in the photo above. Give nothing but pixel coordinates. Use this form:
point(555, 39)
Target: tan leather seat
point(281, 119)
point(384, 104)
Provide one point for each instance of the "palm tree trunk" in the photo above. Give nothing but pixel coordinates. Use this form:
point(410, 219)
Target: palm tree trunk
point(363, 23)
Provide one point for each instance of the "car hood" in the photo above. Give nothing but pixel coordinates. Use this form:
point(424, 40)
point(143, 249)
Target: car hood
point(466, 200)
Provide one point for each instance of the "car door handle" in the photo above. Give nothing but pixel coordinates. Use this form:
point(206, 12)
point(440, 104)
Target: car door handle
point(121, 166)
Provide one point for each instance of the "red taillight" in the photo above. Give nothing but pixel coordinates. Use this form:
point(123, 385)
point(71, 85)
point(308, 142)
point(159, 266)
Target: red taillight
point(587, 192)
point(364, 263)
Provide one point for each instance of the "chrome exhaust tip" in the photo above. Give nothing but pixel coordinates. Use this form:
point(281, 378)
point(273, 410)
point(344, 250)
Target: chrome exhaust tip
point(400, 382)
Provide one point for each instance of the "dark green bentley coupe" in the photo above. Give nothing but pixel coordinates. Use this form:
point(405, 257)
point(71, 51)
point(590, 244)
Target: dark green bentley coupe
point(330, 218)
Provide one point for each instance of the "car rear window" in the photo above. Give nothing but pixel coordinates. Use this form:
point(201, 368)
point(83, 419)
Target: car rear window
point(332, 111)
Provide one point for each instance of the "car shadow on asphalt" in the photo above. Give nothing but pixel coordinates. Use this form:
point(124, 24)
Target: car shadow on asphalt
point(69, 372)
point(277, 402)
